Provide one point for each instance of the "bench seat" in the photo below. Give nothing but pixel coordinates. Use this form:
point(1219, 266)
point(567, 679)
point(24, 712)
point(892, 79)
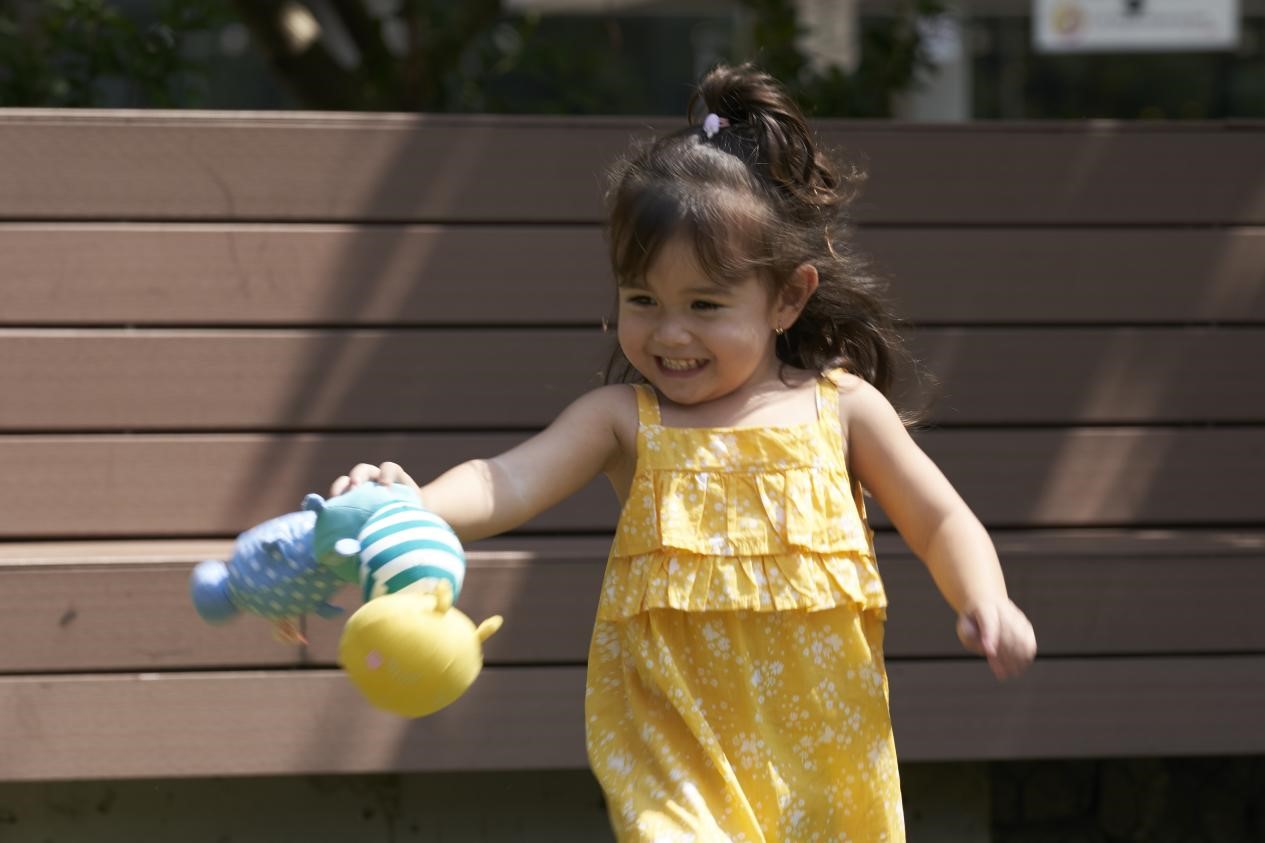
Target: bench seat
point(107, 671)
point(204, 316)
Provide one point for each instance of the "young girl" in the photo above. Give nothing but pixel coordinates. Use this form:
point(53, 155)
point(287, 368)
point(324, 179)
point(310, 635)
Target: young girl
point(736, 688)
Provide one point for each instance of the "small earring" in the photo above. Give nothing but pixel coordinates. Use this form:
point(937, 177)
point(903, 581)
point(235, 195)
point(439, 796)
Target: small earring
point(779, 330)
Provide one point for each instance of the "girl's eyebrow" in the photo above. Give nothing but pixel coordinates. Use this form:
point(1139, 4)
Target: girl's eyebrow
point(697, 290)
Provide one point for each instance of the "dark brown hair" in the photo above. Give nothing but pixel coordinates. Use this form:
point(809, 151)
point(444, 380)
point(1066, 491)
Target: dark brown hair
point(758, 196)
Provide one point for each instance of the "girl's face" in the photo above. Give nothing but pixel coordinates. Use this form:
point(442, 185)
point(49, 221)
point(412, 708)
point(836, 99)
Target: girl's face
point(693, 339)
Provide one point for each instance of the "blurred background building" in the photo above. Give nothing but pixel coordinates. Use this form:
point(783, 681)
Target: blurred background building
point(908, 59)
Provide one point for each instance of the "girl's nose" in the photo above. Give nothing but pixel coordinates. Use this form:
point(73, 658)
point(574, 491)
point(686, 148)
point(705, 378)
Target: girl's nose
point(670, 331)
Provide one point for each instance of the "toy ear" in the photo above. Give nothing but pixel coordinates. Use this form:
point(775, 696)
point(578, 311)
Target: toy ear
point(313, 503)
point(489, 627)
point(208, 586)
point(443, 595)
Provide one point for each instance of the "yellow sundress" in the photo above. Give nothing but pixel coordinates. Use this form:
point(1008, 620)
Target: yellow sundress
point(736, 688)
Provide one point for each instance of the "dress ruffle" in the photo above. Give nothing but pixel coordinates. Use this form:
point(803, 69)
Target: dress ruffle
point(692, 583)
point(759, 518)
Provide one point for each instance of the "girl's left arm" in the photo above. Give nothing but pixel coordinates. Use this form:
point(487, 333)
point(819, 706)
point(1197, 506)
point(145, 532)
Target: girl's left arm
point(483, 497)
point(939, 527)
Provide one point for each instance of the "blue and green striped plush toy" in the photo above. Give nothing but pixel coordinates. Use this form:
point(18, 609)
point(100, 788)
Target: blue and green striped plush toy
point(408, 649)
point(403, 546)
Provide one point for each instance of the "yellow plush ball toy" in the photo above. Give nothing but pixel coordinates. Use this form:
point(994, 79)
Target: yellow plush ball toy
point(407, 649)
point(412, 653)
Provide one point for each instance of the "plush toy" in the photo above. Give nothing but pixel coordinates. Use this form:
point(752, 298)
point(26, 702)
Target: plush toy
point(286, 568)
point(408, 650)
point(412, 653)
point(272, 573)
point(340, 519)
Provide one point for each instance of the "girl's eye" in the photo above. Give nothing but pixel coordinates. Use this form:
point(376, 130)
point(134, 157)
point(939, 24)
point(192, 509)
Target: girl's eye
point(705, 305)
point(640, 301)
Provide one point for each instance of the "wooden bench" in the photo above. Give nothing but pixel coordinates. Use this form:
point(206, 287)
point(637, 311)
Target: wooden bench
point(205, 316)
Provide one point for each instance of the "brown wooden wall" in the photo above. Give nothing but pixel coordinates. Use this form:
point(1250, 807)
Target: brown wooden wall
point(204, 316)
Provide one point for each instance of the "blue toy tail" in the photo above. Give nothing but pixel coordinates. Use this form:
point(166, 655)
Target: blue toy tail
point(208, 585)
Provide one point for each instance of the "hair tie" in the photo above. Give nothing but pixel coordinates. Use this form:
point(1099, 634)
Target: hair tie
point(713, 123)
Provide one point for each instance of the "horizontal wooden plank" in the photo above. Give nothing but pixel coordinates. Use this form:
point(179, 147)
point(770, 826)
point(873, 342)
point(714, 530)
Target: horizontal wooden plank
point(295, 274)
point(77, 379)
point(1070, 708)
point(238, 380)
point(100, 165)
point(105, 165)
point(1071, 275)
point(1093, 375)
point(123, 485)
point(106, 606)
point(262, 723)
point(167, 485)
point(136, 274)
point(1102, 477)
point(1078, 173)
point(312, 722)
point(83, 606)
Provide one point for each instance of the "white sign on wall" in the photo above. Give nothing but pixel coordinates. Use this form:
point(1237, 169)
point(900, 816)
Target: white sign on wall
point(1068, 26)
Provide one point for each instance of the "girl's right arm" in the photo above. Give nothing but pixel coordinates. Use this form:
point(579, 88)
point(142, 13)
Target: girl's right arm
point(484, 497)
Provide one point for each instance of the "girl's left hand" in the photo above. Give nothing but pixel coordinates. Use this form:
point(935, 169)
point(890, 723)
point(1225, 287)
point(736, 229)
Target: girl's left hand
point(385, 474)
point(1001, 633)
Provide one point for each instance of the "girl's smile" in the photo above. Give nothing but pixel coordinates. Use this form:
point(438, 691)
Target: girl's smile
point(677, 367)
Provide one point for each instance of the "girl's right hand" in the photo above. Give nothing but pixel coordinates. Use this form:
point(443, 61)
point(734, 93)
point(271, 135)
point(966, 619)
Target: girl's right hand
point(385, 474)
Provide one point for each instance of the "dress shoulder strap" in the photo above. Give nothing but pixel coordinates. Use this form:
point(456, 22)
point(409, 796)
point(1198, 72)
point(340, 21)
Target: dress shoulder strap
point(828, 408)
point(647, 404)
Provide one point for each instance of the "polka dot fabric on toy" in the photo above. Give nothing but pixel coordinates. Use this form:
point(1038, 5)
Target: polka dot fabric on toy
point(275, 574)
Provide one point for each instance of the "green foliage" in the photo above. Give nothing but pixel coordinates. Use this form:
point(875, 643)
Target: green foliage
point(892, 58)
point(524, 71)
point(423, 55)
point(66, 52)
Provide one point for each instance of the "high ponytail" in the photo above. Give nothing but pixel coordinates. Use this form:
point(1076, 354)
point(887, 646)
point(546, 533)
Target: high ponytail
point(763, 118)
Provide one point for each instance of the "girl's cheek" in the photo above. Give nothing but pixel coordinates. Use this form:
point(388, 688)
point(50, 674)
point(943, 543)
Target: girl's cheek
point(625, 335)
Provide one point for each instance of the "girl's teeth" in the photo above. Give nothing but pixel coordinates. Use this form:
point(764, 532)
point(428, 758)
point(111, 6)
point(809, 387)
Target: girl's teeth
point(681, 365)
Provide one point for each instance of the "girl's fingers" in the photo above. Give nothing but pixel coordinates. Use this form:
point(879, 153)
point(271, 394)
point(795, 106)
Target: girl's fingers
point(1002, 635)
point(989, 625)
point(390, 472)
point(1017, 647)
point(968, 634)
point(978, 631)
point(360, 474)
